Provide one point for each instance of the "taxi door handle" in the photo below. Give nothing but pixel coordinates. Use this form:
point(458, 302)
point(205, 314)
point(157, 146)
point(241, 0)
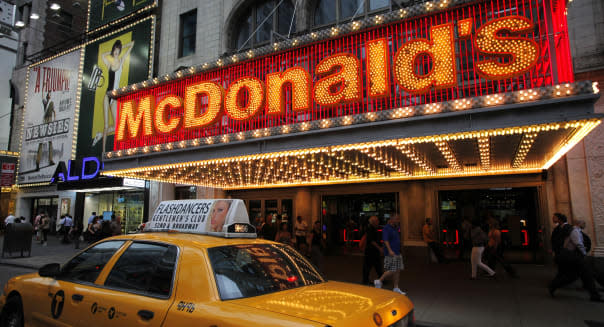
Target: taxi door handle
point(146, 314)
point(77, 297)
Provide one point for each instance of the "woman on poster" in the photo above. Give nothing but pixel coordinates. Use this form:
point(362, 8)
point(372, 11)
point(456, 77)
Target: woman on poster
point(114, 62)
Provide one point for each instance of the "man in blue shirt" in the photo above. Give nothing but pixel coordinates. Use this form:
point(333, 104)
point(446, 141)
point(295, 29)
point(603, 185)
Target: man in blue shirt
point(393, 261)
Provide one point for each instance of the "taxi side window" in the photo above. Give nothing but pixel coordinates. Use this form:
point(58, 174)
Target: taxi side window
point(87, 266)
point(144, 268)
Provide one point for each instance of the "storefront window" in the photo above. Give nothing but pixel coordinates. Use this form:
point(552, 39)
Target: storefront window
point(287, 209)
point(514, 210)
point(128, 206)
point(271, 207)
point(346, 216)
point(255, 208)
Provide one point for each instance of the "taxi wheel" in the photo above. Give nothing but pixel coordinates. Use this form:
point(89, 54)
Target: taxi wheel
point(13, 313)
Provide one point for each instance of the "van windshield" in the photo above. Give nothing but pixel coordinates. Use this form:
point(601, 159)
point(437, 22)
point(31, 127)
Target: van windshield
point(249, 270)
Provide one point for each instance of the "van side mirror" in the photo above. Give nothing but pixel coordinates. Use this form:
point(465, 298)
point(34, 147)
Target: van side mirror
point(50, 270)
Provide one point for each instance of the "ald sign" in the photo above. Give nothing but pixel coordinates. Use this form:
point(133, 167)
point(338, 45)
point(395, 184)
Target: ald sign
point(75, 170)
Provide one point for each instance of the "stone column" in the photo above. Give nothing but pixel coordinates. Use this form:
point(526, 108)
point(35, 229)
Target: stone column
point(413, 211)
point(210, 193)
point(303, 206)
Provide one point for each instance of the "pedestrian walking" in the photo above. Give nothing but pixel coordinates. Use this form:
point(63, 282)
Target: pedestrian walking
point(269, 229)
point(494, 251)
point(572, 264)
point(260, 222)
point(45, 229)
point(561, 230)
point(479, 240)
point(373, 250)
point(37, 224)
point(300, 230)
point(393, 261)
point(9, 219)
point(94, 229)
point(116, 225)
point(430, 239)
point(586, 239)
point(91, 220)
point(67, 223)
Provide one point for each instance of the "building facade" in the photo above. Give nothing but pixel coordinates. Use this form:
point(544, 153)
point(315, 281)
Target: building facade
point(64, 70)
point(505, 148)
point(204, 37)
point(584, 163)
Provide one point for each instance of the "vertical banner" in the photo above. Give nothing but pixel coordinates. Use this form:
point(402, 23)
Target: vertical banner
point(48, 118)
point(102, 12)
point(7, 177)
point(111, 62)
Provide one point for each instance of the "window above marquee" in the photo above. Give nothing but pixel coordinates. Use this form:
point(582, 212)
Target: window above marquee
point(258, 23)
point(327, 12)
point(334, 12)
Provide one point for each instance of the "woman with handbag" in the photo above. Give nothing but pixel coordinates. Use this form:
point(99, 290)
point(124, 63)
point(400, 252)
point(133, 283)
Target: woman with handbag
point(45, 225)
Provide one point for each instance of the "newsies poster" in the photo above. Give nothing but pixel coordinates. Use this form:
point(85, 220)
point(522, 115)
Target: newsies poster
point(201, 216)
point(102, 12)
point(111, 62)
point(48, 120)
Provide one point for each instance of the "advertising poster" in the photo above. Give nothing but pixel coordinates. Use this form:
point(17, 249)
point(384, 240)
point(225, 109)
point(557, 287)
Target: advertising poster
point(7, 177)
point(48, 117)
point(198, 216)
point(111, 62)
point(105, 11)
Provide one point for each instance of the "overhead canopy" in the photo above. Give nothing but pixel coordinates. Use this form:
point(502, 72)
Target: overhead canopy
point(525, 137)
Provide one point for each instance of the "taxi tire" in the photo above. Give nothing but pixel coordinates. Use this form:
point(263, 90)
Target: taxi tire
point(12, 315)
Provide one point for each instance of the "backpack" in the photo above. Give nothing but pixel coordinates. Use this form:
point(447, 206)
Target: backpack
point(363, 242)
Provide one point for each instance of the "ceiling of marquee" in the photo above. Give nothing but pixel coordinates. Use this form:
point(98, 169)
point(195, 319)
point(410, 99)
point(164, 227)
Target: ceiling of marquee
point(511, 150)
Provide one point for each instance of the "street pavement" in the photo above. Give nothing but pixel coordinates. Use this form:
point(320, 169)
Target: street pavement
point(443, 294)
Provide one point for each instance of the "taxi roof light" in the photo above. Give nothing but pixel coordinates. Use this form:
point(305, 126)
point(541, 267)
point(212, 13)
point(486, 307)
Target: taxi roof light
point(217, 217)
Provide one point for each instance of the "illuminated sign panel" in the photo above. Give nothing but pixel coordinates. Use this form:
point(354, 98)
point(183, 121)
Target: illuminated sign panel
point(75, 170)
point(469, 51)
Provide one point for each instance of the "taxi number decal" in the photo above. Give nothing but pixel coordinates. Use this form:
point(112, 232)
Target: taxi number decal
point(188, 307)
point(56, 307)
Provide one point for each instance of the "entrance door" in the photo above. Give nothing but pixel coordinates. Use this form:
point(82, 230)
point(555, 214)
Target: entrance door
point(50, 206)
point(514, 209)
point(346, 216)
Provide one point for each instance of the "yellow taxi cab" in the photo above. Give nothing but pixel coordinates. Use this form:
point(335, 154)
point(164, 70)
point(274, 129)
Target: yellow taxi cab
point(197, 263)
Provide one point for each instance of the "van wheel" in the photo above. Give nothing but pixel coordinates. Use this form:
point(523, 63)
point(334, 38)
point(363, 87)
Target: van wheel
point(13, 313)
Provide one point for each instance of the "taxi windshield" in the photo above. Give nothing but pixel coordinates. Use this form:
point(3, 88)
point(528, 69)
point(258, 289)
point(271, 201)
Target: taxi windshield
point(248, 270)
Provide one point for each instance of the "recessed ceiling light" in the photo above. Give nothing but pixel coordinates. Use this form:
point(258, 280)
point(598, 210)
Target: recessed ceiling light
point(34, 16)
point(55, 6)
point(19, 23)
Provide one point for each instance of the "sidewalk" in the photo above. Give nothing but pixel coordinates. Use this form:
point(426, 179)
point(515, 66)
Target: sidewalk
point(443, 295)
point(55, 252)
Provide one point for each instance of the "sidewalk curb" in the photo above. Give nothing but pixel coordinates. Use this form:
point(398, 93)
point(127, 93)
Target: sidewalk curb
point(18, 265)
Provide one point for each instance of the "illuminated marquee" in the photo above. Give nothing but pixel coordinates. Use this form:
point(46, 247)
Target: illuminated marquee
point(458, 58)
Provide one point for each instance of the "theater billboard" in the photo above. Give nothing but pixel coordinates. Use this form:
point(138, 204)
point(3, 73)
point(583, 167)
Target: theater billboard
point(48, 123)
